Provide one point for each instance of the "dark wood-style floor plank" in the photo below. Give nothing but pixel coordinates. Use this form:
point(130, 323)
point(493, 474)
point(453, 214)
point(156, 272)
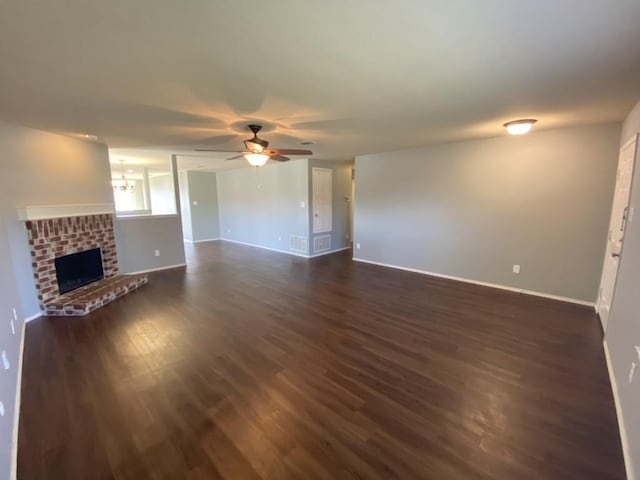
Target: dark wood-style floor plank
point(257, 365)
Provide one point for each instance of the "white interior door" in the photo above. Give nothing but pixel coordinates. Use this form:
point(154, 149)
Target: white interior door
point(619, 216)
point(322, 198)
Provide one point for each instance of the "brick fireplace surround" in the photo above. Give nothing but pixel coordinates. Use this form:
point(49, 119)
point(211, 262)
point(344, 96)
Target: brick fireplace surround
point(55, 237)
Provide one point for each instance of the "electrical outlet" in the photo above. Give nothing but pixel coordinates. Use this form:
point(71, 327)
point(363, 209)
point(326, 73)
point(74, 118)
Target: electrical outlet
point(279, 238)
point(156, 253)
point(516, 269)
point(228, 230)
point(358, 246)
point(5, 360)
point(195, 203)
point(301, 204)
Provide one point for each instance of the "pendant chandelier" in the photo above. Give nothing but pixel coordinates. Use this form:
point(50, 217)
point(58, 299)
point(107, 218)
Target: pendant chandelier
point(123, 185)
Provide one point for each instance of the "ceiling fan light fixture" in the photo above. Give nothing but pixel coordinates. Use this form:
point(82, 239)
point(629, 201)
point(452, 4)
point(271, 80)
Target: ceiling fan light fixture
point(520, 127)
point(256, 159)
point(253, 146)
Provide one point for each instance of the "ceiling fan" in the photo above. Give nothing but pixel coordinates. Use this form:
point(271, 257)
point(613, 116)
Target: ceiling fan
point(256, 151)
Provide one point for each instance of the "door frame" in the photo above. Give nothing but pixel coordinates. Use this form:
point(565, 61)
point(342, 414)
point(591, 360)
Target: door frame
point(313, 200)
point(625, 145)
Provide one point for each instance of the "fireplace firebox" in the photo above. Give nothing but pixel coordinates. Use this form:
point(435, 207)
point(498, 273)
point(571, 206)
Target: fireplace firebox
point(79, 269)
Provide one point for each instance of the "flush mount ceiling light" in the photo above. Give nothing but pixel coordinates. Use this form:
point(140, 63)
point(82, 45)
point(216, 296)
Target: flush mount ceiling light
point(256, 159)
point(520, 127)
point(123, 185)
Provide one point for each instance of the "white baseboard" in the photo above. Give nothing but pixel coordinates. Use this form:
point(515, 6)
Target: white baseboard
point(202, 241)
point(33, 317)
point(484, 284)
point(302, 255)
point(328, 252)
point(626, 450)
point(295, 254)
point(16, 409)
point(155, 269)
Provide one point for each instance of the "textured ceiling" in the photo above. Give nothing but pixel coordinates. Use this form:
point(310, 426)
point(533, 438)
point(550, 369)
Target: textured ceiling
point(354, 76)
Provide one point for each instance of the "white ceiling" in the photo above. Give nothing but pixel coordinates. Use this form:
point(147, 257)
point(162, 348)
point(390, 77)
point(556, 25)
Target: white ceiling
point(354, 76)
point(135, 160)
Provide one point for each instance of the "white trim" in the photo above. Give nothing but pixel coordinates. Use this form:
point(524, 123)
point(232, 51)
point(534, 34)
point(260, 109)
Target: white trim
point(155, 269)
point(202, 241)
point(626, 450)
point(625, 145)
point(33, 317)
point(265, 248)
point(16, 409)
point(284, 251)
point(329, 252)
point(41, 212)
point(484, 284)
point(146, 216)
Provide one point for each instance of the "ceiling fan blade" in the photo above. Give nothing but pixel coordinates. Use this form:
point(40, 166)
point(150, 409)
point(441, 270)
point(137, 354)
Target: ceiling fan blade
point(236, 157)
point(215, 150)
point(288, 151)
point(255, 144)
point(279, 158)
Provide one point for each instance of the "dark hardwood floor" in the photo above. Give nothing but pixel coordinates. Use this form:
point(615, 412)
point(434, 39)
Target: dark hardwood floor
point(251, 364)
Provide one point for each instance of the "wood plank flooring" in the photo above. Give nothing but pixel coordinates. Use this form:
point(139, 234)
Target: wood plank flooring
point(257, 365)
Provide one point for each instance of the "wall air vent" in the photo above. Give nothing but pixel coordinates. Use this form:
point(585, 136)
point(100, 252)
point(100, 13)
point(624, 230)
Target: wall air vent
point(298, 244)
point(322, 243)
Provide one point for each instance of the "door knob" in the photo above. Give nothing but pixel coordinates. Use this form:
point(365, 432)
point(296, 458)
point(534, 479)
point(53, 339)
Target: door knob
point(615, 255)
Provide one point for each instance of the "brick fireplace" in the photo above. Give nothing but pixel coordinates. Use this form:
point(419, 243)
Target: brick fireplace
point(55, 237)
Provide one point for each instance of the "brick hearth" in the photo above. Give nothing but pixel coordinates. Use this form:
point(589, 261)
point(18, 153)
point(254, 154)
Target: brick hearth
point(91, 297)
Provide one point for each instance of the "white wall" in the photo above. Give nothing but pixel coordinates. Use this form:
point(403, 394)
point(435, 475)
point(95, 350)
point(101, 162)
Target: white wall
point(199, 206)
point(11, 342)
point(474, 209)
point(263, 207)
point(623, 329)
point(185, 211)
point(138, 238)
point(162, 194)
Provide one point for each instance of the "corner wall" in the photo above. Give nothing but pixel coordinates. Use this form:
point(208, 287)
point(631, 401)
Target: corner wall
point(264, 207)
point(474, 209)
point(623, 329)
point(152, 242)
point(41, 168)
point(199, 206)
point(13, 344)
